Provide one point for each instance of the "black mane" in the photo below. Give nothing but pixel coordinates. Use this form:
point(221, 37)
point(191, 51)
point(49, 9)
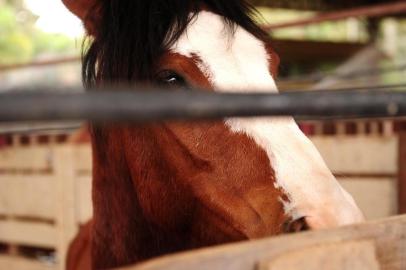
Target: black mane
point(132, 34)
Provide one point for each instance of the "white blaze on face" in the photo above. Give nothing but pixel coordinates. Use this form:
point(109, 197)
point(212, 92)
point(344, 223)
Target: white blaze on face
point(239, 62)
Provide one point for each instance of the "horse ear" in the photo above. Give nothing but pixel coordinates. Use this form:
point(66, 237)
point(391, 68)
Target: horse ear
point(87, 11)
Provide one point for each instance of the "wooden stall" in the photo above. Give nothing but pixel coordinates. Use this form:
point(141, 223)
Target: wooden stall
point(365, 157)
point(367, 167)
point(44, 197)
point(45, 189)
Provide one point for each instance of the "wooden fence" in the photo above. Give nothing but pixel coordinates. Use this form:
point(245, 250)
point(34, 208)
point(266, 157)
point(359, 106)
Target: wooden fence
point(45, 191)
point(44, 197)
point(367, 166)
point(366, 155)
point(377, 245)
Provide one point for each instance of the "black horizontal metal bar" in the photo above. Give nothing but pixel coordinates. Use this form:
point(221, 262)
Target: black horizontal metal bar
point(390, 87)
point(160, 105)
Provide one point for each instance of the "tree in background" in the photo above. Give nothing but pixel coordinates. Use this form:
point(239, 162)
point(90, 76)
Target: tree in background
point(21, 41)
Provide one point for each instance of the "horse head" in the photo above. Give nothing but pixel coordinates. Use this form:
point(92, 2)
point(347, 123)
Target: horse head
point(165, 187)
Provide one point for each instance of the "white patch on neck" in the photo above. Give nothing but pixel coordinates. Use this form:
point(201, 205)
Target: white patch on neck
point(239, 63)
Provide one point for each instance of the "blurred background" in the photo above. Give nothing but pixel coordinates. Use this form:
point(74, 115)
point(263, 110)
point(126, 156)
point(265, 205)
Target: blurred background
point(38, 35)
point(45, 168)
point(40, 42)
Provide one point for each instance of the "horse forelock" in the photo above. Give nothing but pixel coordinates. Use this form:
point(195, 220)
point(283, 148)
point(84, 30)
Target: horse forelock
point(126, 48)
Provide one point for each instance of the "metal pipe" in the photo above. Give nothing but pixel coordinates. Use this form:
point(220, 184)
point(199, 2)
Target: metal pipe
point(41, 63)
point(368, 11)
point(159, 105)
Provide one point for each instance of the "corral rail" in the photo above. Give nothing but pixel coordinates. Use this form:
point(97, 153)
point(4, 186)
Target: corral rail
point(374, 248)
point(378, 245)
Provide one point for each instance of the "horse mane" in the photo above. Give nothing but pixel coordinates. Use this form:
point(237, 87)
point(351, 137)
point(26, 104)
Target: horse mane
point(132, 34)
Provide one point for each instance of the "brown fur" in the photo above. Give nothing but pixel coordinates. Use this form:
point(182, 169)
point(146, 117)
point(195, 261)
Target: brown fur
point(162, 194)
point(169, 187)
point(79, 256)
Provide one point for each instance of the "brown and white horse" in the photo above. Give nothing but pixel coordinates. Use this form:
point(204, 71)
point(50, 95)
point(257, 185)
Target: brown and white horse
point(167, 187)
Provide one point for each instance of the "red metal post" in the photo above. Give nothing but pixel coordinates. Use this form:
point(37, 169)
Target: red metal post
point(368, 11)
point(402, 173)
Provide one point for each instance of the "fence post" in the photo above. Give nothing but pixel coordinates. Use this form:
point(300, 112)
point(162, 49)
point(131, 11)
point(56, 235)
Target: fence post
point(66, 212)
point(374, 128)
point(361, 128)
point(318, 129)
point(402, 173)
point(387, 127)
point(340, 128)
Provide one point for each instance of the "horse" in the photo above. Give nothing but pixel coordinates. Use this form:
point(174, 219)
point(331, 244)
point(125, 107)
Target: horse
point(166, 187)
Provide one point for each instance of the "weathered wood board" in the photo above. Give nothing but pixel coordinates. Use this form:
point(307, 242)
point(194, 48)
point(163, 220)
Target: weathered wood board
point(45, 193)
point(26, 158)
point(359, 154)
point(31, 195)
point(18, 263)
point(374, 245)
point(28, 233)
point(377, 197)
point(355, 255)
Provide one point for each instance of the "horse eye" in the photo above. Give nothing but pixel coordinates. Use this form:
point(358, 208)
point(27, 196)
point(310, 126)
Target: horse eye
point(171, 79)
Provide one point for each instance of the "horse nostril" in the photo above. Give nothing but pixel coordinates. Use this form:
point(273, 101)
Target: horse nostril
point(298, 225)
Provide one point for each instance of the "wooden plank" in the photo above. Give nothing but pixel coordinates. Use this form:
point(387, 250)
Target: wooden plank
point(25, 158)
point(402, 173)
point(83, 198)
point(388, 128)
point(318, 129)
point(374, 128)
point(83, 158)
point(361, 128)
point(20, 263)
point(359, 154)
point(339, 256)
point(28, 233)
point(381, 199)
point(66, 219)
point(16, 140)
point(388, 236)
point(340, 129)
point(28, 196)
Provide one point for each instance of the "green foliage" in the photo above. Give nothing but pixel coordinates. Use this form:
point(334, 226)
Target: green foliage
point(15, 45)
point(20, 41)
point(51, 43)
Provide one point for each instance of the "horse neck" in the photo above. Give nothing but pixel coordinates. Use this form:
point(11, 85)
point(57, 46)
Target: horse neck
point(121, 234)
